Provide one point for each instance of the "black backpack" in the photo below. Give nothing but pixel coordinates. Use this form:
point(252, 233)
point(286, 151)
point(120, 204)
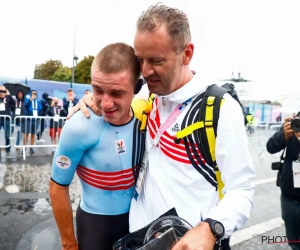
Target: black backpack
point(205, 129)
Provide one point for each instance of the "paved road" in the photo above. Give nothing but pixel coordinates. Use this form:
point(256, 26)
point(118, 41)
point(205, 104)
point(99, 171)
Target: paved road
point(26, 220)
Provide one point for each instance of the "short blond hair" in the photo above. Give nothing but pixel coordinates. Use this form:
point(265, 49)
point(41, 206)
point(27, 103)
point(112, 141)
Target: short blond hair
point(117, 57)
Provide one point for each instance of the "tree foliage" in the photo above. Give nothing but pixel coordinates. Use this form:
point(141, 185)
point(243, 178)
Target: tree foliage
point(46, 70)
point(62, 74)
point(83, 70)
point(54, 70)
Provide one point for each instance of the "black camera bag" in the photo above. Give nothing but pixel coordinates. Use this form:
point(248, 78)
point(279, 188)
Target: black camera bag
point(278, 166)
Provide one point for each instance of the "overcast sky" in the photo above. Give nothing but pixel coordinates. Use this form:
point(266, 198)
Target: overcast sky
point(259, 38)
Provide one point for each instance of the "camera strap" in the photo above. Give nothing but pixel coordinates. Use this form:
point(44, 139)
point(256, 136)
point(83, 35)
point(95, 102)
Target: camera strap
point(282, 157)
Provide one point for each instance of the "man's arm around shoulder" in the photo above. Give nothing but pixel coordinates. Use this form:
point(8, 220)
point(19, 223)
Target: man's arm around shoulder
point(62, 210)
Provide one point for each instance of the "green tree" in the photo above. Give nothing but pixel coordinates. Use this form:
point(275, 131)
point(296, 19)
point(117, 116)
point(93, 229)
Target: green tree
point(46, 70)
point(62, 74)
point(83, 70)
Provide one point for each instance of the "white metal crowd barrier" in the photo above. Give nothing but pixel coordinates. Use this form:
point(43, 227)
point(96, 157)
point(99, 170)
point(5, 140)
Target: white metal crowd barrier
point(258, 136)
point(31, 128)
point(6, 125)
point(43, 131)
point(23, 130)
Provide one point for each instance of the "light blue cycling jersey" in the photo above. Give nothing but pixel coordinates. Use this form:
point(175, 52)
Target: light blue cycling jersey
point(104, 157)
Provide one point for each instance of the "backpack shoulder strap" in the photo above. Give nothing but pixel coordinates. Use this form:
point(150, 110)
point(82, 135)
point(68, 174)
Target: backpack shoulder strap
point(141, 109)
point(213, 98)
point(147, 111)
point(233, 93)
point(209, 112)
point(207, 128)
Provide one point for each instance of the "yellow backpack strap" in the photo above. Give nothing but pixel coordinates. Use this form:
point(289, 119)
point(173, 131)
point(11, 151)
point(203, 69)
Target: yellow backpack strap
point(189, 129)
point(207, 129)
point(212, 100)
point(141, 109)
point(211, 138)
point(147, 111)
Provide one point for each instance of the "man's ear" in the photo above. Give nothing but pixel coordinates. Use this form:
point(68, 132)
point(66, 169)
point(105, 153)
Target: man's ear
point(188, 53)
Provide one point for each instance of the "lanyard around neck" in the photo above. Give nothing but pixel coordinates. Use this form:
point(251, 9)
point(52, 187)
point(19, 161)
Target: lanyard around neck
point(171, 119)
point(34, 104)
point(56, 109)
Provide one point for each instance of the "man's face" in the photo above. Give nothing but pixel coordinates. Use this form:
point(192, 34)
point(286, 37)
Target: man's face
point(86, 92)
point(2, 92)
point(113, 94)
point(70, 93)
point(20, 95)
point(161, 67)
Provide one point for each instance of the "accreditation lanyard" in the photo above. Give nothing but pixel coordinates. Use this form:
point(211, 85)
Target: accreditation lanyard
point(34, 104)
point(34, 107)
point(144, 164)
point(2, 104)
point(56, 113)
point(18, 109)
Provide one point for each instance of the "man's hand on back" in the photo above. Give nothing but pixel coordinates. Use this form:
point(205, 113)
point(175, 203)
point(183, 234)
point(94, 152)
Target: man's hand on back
point(84, 102)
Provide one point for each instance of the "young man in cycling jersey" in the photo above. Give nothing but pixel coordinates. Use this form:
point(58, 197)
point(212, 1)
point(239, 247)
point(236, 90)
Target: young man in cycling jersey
point(104, 151)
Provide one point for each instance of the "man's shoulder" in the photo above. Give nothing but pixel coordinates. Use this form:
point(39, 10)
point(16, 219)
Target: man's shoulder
point(83, 128)
point(44, 102)
point(10, 98)
point(79, 118)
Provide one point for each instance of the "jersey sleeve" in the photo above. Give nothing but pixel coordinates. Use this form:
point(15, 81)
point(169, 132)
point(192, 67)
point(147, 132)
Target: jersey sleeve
point(77, 136)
